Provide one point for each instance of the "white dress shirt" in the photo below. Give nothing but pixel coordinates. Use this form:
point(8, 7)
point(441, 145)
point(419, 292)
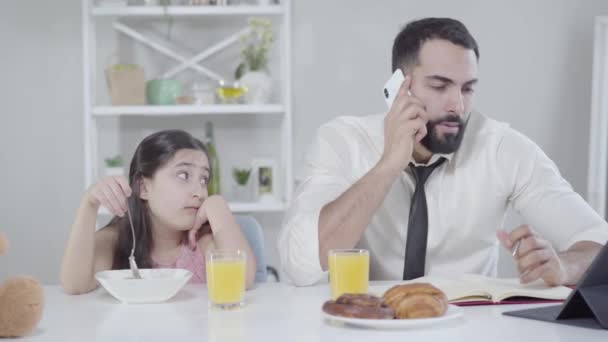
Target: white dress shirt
point(467, 198)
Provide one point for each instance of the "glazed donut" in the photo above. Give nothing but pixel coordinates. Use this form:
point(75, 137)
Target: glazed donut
point(417, 300)
point(356, 311)
point(360, 300)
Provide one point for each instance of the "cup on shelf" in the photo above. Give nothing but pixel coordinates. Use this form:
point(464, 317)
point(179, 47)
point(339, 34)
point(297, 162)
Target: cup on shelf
point(163, 91)
point(203, 93)
point(199, 93)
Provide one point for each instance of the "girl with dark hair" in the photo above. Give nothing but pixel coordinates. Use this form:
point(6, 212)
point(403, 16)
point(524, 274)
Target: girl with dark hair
point(175, 222)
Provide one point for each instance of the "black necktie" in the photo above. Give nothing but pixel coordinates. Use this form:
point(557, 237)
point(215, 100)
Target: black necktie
point(417, 225)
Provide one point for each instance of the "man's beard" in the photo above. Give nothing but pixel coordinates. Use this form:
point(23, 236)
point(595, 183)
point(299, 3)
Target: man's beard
point(450, 142)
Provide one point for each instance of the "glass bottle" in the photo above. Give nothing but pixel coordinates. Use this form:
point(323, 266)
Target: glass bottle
point(214, 183)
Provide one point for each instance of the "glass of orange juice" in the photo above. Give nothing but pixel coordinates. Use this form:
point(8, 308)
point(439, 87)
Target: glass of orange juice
point(348, 271)
point(226, 278)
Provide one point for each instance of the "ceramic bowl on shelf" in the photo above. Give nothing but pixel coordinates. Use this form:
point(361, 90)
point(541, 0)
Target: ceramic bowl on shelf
point(230, 93)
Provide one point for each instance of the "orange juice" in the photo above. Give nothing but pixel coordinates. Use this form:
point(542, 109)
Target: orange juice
point(226, 281)
point(348, 271)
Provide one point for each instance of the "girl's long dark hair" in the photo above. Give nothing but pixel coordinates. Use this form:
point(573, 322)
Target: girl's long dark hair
point(152, 153)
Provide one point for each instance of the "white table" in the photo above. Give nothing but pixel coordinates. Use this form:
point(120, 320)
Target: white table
point(274, 312)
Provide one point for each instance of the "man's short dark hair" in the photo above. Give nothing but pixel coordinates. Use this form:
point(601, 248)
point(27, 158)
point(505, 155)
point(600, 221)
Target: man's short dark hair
point(409, 41)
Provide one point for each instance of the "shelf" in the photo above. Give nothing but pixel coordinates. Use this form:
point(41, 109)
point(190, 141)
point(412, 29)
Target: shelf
point(238, 207)
point(159, 11)
point(271, 123)
point(186, 110)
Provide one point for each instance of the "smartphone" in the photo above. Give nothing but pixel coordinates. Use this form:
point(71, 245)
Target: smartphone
point(391, 88)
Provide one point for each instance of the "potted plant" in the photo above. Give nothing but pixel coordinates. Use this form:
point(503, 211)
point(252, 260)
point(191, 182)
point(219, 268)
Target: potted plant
point(242, 192)
point(252, 72)
point(114, 166)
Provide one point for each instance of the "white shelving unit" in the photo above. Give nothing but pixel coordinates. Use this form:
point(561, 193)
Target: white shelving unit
point(157, 11)
point(95, 110)
point(187, 109)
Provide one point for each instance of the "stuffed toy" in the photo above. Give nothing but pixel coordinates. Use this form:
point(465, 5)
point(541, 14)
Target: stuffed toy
point(21, 302)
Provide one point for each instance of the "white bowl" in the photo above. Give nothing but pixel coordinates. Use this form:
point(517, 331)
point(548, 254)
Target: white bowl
point(157, 285)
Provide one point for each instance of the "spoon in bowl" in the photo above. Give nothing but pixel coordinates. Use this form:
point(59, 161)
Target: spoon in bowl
point(132, 264)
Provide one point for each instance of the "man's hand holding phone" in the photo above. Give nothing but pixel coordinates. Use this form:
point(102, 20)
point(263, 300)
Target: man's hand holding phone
point(405, 123)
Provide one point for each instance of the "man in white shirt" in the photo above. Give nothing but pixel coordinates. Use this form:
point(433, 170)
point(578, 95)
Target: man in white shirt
point(360, 184)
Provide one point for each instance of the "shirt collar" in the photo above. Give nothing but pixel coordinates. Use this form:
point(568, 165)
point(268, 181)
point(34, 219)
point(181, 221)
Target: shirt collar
point(434, 158)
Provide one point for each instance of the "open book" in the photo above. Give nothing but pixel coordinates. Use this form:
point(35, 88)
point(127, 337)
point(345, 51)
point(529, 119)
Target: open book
point(472, 289)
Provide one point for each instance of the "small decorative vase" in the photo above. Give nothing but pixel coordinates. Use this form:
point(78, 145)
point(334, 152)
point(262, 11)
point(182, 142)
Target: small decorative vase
point(115, 171)
point(258, 85)
point(242, 193)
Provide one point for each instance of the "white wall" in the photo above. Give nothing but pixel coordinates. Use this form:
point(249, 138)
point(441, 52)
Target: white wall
point(41, 156)
point(535, 73)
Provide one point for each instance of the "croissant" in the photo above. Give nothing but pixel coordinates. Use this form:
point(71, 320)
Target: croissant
point(417, 300)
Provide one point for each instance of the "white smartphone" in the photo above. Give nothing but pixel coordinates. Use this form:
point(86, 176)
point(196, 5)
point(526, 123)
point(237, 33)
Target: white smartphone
point(391, 88)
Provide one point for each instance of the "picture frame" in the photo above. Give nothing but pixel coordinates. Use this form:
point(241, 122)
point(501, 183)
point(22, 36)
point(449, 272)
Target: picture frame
point(265, 179)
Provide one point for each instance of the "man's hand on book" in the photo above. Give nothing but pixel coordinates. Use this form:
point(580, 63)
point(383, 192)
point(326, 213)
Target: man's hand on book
point(535, 257)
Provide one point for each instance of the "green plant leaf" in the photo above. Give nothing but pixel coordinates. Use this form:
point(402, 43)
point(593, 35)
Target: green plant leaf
point(115, 161)
point(241, 176)
point(256, 44)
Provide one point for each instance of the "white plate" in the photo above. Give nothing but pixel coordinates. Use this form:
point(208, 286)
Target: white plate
point(453, 312)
